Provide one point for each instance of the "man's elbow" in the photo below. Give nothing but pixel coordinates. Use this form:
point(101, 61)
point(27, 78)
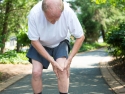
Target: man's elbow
point(34, 41)
point(82, 37)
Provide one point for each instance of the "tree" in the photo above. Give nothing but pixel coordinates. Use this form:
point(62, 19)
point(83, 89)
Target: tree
point(4, 29)
point(97, 17)
point(108, 16)
point(116, 39)
point(85, 11)
point(116, 3)
point(22, 39)
point(12, 15)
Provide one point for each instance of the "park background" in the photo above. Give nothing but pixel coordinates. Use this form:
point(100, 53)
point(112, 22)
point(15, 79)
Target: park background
point(103, 22)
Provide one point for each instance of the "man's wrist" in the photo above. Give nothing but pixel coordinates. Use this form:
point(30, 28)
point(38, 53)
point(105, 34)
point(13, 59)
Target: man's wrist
point(69, 59)
point(52, 61)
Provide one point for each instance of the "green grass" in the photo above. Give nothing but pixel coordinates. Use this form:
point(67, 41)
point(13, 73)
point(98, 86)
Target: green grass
point(91, 46)
point(12, 57)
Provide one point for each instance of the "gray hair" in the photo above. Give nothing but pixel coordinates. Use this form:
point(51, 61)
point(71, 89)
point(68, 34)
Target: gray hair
point(46, 6)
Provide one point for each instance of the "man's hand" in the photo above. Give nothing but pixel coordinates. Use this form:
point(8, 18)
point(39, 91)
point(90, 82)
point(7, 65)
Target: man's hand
point(56, 67)
point(67, 67)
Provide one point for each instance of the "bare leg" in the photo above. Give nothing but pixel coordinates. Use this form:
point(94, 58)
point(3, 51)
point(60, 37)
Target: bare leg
point(36, 76)
point(63, 81)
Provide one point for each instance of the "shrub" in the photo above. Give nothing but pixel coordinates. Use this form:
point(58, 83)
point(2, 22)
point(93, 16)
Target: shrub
point(116, 41)
point(91, 46)
point(12, 57)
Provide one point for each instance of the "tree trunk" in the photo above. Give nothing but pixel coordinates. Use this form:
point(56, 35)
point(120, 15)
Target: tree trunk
point(103, 33)
point(18, 47)
point(5, 24)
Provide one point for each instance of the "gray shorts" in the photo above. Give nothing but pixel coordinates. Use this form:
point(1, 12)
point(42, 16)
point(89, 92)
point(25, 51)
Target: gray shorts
point(61, 50)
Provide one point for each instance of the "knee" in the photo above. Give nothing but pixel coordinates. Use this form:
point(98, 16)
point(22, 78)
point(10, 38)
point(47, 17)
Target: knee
point(62, 75)
point(36, 74)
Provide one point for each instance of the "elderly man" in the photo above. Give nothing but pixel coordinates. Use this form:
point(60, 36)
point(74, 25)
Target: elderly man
point(50, 24)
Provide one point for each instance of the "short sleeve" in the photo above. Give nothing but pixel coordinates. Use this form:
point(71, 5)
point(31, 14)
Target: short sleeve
point(32, 28)
point(74, 25)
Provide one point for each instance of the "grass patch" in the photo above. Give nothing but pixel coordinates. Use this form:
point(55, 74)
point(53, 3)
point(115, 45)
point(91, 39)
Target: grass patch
point(91, 46)
point(12, 57)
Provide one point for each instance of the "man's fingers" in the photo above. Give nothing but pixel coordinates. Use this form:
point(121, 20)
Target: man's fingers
point(55, 70)
point(68, 74)
point(60, 68)
point(56, 74)
point(65, 65)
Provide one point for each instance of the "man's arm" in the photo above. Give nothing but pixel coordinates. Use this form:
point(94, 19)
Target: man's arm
point(37, 45)
point(76, 47)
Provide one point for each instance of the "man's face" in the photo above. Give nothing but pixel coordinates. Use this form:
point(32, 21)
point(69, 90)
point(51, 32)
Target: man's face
point(52, 15)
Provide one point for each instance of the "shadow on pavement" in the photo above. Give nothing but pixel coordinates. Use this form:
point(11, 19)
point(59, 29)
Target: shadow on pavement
point(93, 53)
point(82, 81)
point(85, 77)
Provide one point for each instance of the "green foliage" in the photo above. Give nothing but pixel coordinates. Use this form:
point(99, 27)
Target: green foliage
point(97, 19)
point(23, 39)
point(13, 16)
point(99, 1)
point(12, 57)
point(1, 74)
point(86, 11)
point(91, 46)
point(1, 38)
point(116, 40)
point(117, 3)
point(108, 16)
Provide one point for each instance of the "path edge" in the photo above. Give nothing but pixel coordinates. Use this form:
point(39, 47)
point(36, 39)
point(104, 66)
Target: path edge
point(115, 83)
point(12, 80)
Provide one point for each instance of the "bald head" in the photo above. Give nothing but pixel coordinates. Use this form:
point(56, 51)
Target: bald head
point(51, 4)
point(52, 9)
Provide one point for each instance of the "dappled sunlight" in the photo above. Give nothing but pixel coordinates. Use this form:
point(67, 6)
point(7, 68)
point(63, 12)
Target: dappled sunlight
point(85, 78)
point(24, 87)
point(107, 59)
point(87, 60)
point(119, 89)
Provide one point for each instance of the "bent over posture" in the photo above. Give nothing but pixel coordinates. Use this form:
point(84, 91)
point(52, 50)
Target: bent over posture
point(50, 24)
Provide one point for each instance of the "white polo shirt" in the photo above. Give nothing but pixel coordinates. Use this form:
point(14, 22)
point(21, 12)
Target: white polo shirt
point(51, 35)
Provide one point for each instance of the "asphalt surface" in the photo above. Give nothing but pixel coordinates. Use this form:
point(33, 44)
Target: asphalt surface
point(85, 77)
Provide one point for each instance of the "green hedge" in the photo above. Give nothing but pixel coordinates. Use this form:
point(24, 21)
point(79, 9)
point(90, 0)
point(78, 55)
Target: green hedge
point(116, 41)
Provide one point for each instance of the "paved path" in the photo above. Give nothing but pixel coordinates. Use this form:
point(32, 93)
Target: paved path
point(85, 77)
